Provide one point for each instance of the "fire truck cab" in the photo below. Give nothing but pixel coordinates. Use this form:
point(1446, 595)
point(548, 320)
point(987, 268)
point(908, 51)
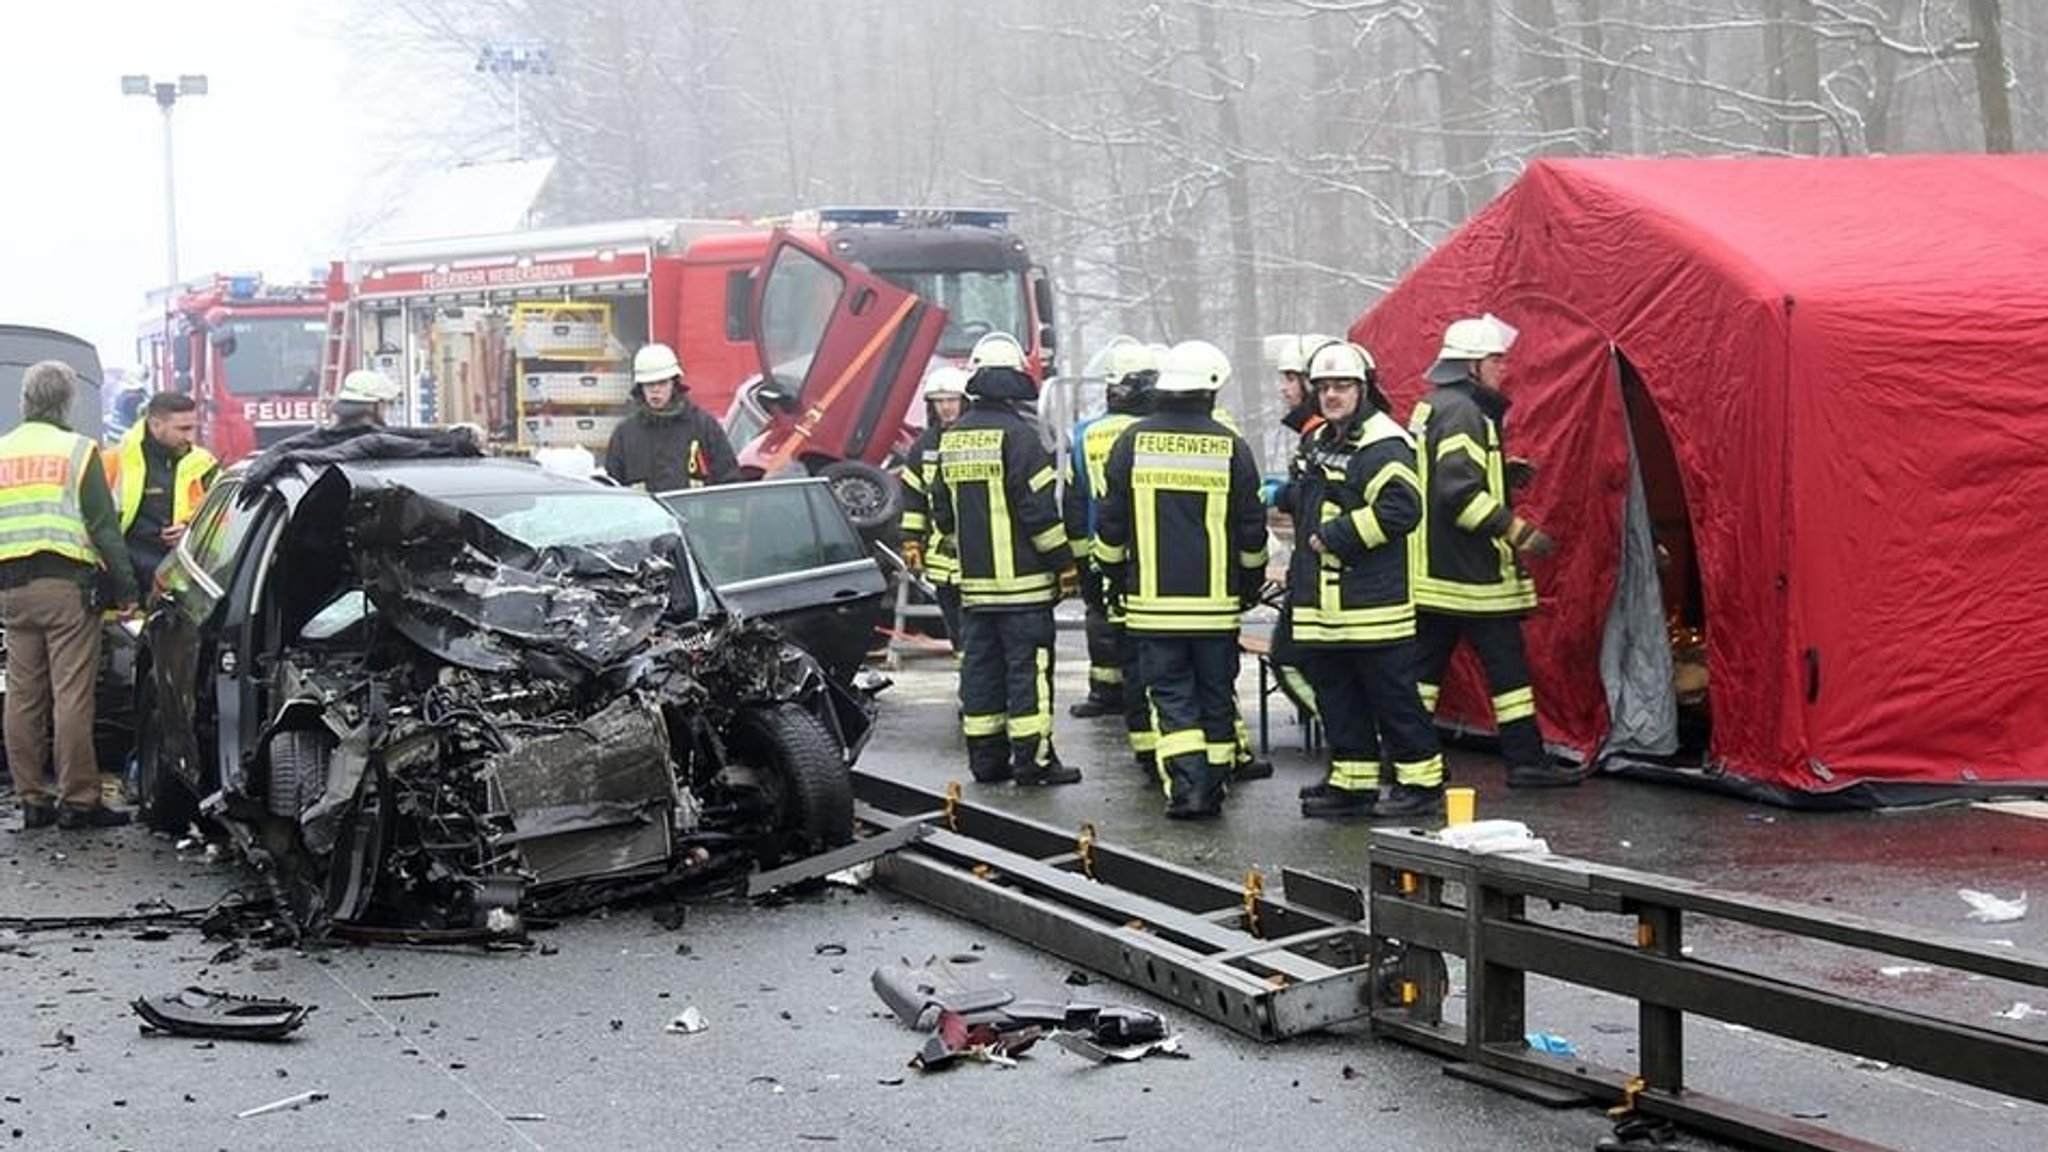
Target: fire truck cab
point(249, 352)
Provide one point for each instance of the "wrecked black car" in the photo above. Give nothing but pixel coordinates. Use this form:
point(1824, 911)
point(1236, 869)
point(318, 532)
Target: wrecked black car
point(432, 695)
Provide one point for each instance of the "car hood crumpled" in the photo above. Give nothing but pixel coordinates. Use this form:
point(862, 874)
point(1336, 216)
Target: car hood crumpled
point(470, 594)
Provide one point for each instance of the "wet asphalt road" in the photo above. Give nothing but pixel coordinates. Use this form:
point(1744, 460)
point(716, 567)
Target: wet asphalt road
point(565, 1046)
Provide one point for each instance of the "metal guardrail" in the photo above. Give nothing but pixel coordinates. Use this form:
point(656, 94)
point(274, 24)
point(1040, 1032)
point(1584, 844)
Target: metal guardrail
point(1413, 878)
point(1265, 967)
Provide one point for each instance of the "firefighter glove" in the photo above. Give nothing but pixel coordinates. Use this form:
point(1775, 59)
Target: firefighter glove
point(1520, 472)
point(913, 555)
point(1528, 539)
point(1070, 582)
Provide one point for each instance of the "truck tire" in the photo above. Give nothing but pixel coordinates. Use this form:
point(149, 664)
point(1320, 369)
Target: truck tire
point(164, 802)
point(872, 498)
point(802, 764)
point(298, 771)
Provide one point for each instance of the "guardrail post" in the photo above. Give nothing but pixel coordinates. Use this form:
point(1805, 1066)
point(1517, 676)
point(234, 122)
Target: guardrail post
point(1661, 1030)
point(1495, 994)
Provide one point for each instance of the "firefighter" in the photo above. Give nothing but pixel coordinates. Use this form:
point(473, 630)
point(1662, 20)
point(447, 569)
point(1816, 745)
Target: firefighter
point(994, 496)
point(925, 550)
point(1182, 541)
point(1466, 557)
point(1355, 501)
point(1300, 416)
point(1126, 366)
point(667, 442)
point(59, 537)
point(158, 476)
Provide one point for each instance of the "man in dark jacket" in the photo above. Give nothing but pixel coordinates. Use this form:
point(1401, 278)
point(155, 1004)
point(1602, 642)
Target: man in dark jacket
point(667, 443)
point(1467, 553)
point(1355, 501)
point(1182, 542)
point(994, 496)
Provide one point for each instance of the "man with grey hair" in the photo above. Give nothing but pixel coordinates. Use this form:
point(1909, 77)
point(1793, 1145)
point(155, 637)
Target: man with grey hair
point(60, 535)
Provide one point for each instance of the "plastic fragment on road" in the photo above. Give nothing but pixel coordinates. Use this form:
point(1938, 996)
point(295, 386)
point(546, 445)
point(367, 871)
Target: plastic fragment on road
point(1989, 909)
point(1550, 1044)
point(2021, 1010)
point(289, 1103)
point(211, 1014)
point(1488, 837)
point(688, 1022)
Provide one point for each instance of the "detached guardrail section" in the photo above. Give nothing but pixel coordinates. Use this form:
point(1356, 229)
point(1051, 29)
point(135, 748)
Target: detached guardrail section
point(1412, 874)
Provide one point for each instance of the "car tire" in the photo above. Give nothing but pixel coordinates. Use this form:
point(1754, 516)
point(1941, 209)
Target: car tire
point(872, 498)
point(298, 771)
point(165, 803)
point(803, 761)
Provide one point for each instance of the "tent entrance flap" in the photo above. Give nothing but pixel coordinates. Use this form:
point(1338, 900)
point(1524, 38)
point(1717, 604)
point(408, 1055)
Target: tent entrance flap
point(1636, 659)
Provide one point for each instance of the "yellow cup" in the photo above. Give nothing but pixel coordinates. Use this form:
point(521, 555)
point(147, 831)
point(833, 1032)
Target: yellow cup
point(1459, 804)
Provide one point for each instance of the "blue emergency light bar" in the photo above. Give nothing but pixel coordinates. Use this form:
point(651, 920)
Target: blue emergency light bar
point(244, 287)
point(993, 218)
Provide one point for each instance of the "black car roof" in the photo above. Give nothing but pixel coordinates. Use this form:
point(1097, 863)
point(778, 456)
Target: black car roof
point(465, 476)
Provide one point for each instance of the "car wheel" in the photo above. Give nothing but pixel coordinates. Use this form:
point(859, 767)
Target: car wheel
point(164, 801)
point(298, 771)
point(872, 498)
point(802, 763)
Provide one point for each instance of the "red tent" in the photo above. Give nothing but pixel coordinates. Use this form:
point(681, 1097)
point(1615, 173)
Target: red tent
point(1835, 375)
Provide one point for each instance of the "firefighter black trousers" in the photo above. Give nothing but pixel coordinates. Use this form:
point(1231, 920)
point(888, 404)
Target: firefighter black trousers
point(1006, 690)
point(1370, 707)
point(1105, 672)
point(1497, 641)
point(1192, 684)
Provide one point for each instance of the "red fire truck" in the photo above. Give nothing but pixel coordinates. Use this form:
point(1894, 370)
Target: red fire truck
point(531, 334)
point(248, 352)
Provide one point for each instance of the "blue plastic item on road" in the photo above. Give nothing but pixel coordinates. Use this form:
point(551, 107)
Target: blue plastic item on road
point(1550, 1045)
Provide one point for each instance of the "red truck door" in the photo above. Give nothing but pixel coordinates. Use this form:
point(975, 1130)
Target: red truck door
point(843, 353)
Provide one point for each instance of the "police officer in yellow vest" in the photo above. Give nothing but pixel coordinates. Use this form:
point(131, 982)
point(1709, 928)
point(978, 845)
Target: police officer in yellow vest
point(1181, 536)
point(925, 549)
point(158, 476)
point(1466, 558)
point(1354, 501)
point(59, 535)
point(994, 496)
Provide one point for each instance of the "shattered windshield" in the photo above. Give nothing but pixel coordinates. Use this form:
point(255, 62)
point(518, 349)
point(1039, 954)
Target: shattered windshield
point(580, 519)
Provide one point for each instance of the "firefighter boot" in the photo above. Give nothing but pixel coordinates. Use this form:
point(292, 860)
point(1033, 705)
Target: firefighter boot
point(1412, 802)
point(1194, 790)
point(1097, 704)
point(1549, 774)
point(1029, 773)
point(988, 758)
point(1334, 803)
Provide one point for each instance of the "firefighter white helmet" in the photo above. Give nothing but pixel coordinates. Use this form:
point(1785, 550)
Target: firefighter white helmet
point(996, 350)
point(1473, 339)
point(1193, 366)
point(1338, 360)
point(654, 363)
point(945, 380)
point(1126, 359)
point(367, 386)
point(1466, 342)
point(1296, 350)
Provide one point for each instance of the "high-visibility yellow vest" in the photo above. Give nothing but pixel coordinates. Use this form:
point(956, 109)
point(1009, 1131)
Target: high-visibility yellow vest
point(128, 473)
point(39, 469)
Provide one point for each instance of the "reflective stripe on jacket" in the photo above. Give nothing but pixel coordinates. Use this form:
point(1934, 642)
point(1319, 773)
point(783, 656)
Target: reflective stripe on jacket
point(1180, 510)
point(40, 466)
point(1359, 493)
point(1460, 560)
point(1093, 438)
point(918, 474)
point(994, 495)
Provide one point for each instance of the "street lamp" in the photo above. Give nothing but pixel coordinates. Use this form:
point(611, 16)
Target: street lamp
point(166, 94)
point(517, 60)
